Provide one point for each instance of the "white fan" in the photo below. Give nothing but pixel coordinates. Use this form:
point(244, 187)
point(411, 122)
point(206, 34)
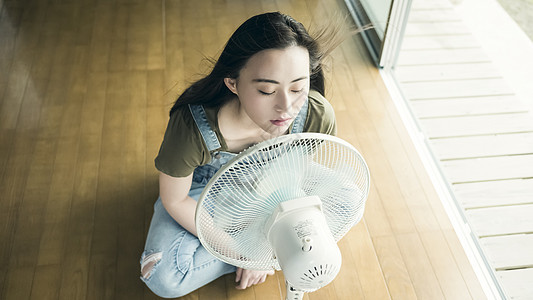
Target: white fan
point(283, 204)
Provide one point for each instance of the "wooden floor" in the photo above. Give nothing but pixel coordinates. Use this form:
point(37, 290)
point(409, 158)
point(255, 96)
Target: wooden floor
point(481, 133)
point(85, 89)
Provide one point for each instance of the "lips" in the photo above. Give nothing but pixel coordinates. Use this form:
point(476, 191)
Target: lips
point(280, 122)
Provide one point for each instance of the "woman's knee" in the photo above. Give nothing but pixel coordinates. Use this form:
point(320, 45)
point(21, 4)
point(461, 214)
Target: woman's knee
point(161, 281)
point(167, 288)
point(161, 275)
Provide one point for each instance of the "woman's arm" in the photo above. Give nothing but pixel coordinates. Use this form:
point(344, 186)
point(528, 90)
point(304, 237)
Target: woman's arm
point(174, 196)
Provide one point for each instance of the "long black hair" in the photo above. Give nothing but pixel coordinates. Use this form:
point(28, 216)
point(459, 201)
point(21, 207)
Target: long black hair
point(265, 31)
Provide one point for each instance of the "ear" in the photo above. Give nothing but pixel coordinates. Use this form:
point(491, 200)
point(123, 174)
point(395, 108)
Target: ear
point(231, 83)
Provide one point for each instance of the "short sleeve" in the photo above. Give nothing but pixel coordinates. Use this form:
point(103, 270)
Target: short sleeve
point(320, 115)
point(183, 148)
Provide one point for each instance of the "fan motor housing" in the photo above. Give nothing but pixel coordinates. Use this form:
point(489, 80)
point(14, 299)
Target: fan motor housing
point(303, 244)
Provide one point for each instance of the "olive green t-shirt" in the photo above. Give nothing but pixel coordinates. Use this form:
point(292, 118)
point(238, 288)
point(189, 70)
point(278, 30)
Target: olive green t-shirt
point(183, 148)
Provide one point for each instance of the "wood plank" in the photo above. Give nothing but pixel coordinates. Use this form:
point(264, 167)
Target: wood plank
point(46, 282)
point(66, 122)
point(17, 284)
point(435, 28)
point(503, 220)
point(455, 88)
point(394, 269)
point(26, 165)
point(431, 4)
point(489, 168)
point(395, 210)
point(137, 36)
point(58, 204)
point(174, 35)
point(347, 283)
point(431, 15)
point(76, 256)
point(446, 268)
point(16, 82)
point(389, 188)
point(17, 75)
point(156, 39)
point(102, 277)
point(465, 265)
point(406, 74)
point(494, 193)
point(206, 11)
point(439, 216)
point(455, 107)
point(477, 125)
point(233, 293)
point(442, 57)
point(270, 289)
point(24, 244)
point(192, 53)
point(101, 36)
point(7, 139)
point(366, 262)
point(483, 146)
point(131, 179)
point(400, 222)
point(118, 58)
point(509, 252)
point(517, 283)
point(439, 42)
point(425, 281)
point(9, 19)
point(375, 215)
point(35, 88)
point(84, 16)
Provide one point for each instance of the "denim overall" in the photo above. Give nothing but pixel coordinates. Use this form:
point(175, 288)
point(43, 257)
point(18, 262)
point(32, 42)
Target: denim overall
point(182, 263)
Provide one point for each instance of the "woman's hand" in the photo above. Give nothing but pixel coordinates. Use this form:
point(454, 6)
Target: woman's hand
point(247, 278)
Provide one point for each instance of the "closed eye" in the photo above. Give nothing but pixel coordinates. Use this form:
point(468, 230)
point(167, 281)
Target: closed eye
point(265, 93)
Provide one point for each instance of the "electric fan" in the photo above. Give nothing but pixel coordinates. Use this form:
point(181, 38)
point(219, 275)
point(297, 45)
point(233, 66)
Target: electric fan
point(283, 204)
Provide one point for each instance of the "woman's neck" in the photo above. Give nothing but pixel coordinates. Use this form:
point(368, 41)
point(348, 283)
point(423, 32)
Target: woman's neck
point(238, 130)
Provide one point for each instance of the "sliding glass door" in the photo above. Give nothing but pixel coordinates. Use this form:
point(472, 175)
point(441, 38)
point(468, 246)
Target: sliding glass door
point(388, 19)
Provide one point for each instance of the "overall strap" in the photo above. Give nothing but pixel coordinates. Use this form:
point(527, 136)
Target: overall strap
point(299, 122)
point(200, 118)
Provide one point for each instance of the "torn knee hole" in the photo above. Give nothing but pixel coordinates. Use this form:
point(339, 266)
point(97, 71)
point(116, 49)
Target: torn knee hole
point(148, 264)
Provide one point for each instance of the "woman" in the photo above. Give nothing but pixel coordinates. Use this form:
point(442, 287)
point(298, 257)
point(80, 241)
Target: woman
point(267, 82)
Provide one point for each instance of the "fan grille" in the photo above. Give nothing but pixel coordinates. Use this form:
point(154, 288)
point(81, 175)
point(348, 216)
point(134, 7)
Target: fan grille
point(239, 199)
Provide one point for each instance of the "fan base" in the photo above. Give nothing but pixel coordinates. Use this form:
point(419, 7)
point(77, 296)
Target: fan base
point(292, 293)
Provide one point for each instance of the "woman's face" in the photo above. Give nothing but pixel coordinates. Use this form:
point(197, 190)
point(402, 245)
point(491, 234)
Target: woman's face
point(272, 87)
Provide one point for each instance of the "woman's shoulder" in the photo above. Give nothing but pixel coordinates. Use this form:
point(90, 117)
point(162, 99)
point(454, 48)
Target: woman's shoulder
point(182, 149)
point(181, 123)
point(320, 115)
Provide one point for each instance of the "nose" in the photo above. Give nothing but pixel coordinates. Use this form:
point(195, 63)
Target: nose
point(283, 102)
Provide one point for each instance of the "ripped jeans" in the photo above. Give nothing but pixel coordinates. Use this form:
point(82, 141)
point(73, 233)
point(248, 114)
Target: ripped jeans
point(182, 264)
